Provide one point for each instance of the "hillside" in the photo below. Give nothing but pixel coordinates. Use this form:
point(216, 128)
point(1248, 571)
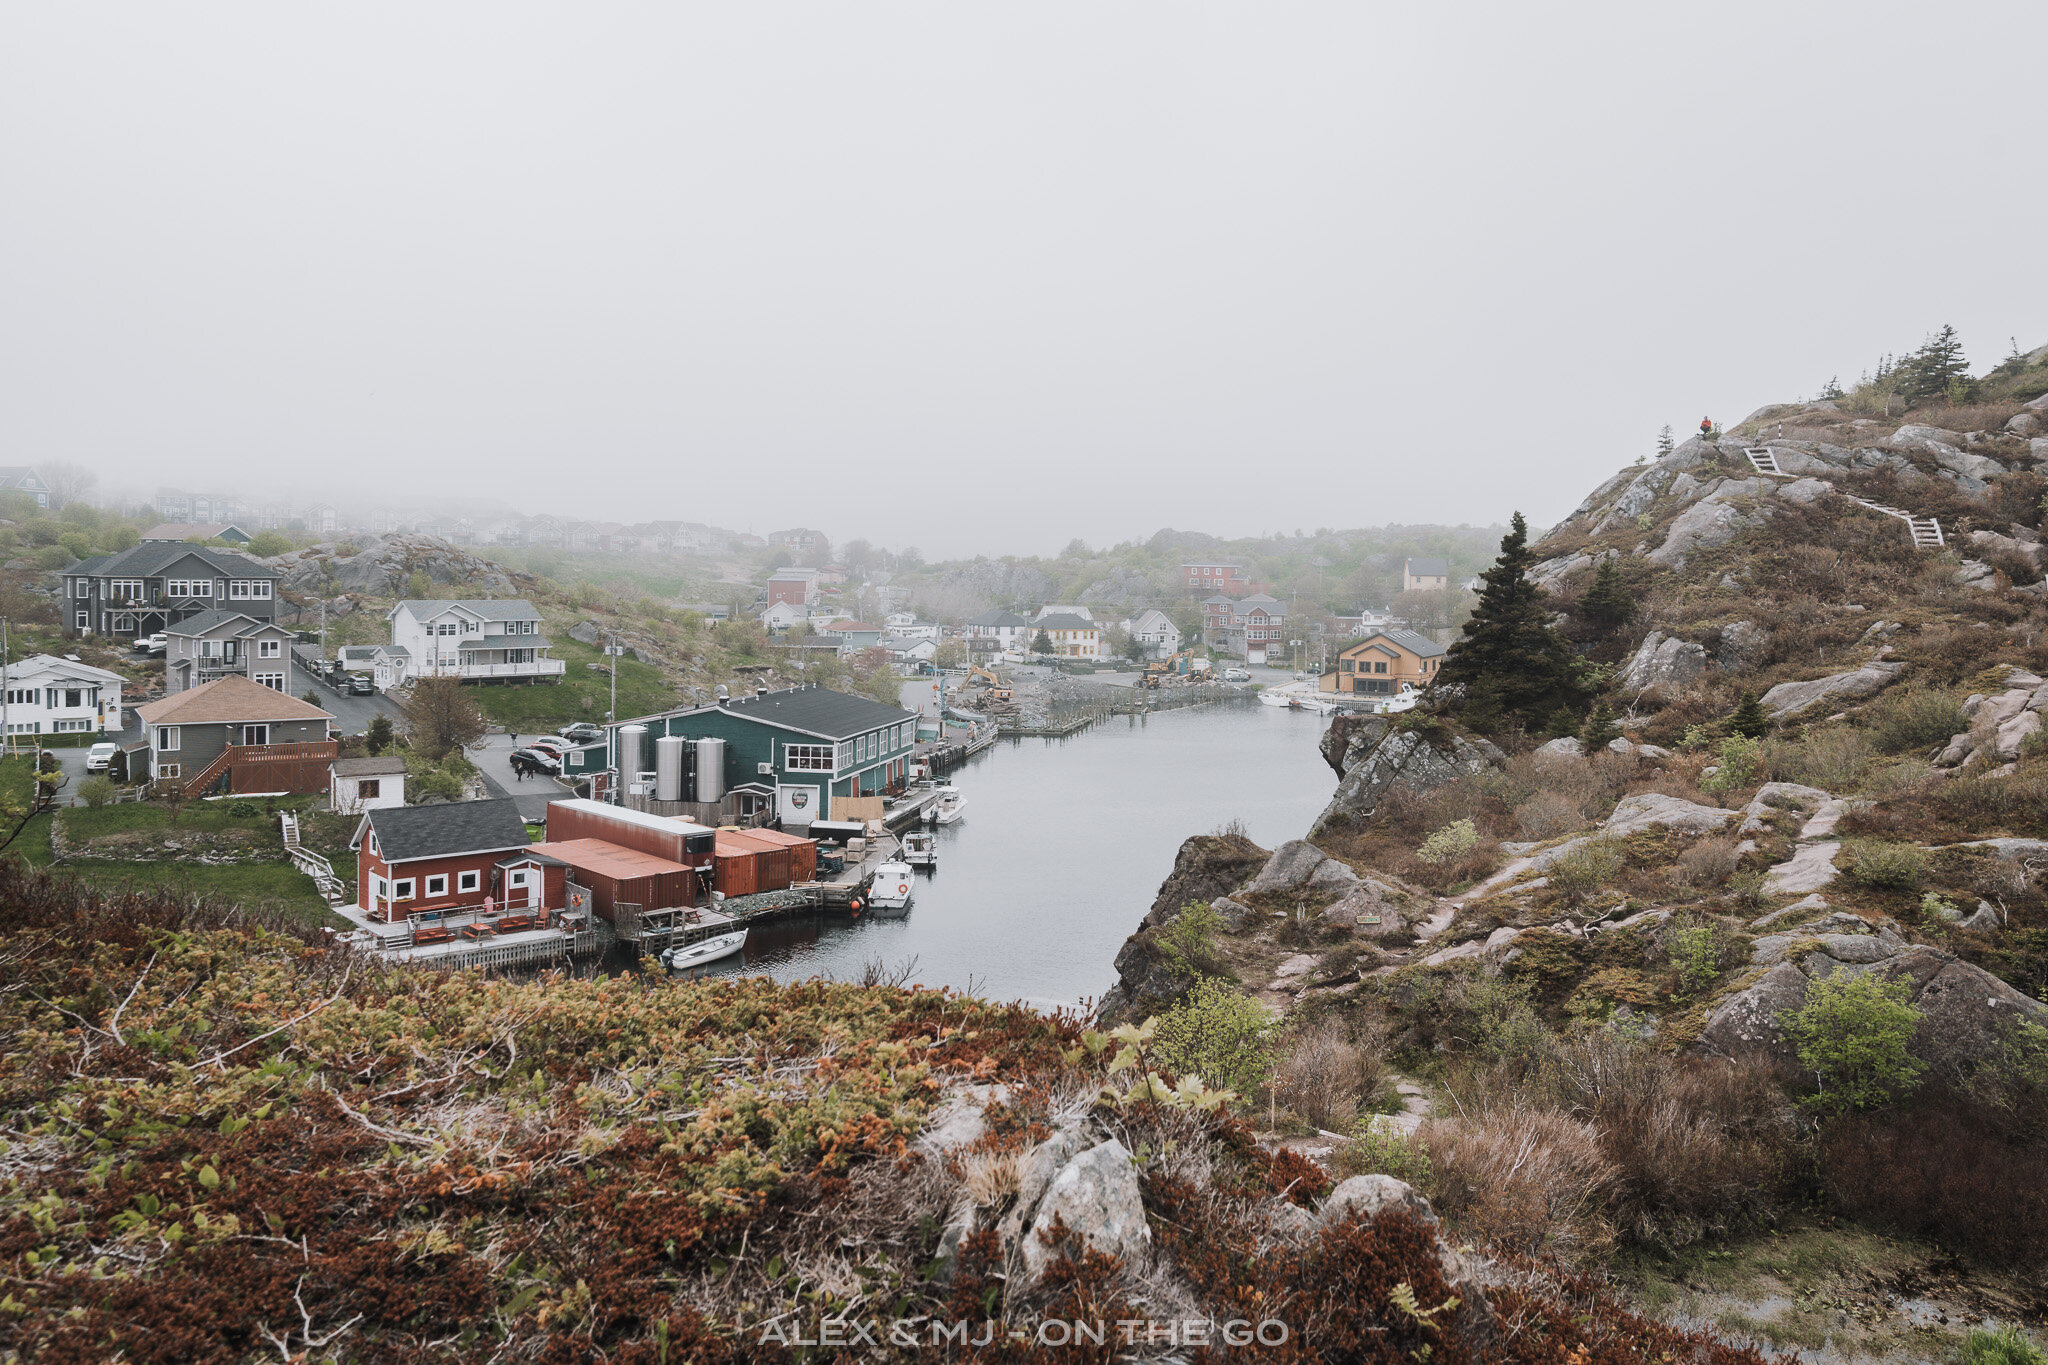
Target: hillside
point(1722, 966)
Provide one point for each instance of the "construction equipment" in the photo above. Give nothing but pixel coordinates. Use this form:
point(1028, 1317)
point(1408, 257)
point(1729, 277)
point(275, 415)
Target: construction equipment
point(998, 690)
point(1179, 665)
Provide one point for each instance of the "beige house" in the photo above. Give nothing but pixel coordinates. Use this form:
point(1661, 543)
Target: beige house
point(1419, 575)
point(1384, 662)
point(1072, 636)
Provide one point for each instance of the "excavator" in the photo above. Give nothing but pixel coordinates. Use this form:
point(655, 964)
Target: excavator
point(1177, 665)
point(998, 690)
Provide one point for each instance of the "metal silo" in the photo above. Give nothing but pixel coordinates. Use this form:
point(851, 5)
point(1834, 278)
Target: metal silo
point(710, 770)
point(668, 767)
point(632, 752)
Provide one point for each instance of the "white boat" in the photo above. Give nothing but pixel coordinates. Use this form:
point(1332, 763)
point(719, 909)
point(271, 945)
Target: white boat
point(891, 889)
point(1270, 697)
point(683, 956)
point(950, 807)
point(920, 849)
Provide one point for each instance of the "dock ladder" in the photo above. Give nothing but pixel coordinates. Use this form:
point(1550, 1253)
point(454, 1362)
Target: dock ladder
point(332, 889)
point(1926, 531)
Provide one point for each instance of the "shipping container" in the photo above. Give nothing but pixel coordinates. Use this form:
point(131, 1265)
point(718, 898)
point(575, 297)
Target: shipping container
point(619, 875)
point(678, 841)
point(739, 868)
point(803, 853)
point(774, 857)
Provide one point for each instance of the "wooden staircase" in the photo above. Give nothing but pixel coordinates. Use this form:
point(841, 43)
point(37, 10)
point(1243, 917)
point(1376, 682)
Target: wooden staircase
point(1764, 460)
point(1926, 531)
point(332, 888)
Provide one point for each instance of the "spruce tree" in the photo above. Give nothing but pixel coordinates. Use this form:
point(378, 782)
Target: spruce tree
point(1937, 367)
point(1749, 719)
point(1607, 604)
point(1833, 388)
point(1664, 441)
point(1600, 730)
point(1510, 663)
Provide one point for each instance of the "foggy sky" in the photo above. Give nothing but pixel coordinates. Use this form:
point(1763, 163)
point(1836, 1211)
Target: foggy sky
point(982, 278)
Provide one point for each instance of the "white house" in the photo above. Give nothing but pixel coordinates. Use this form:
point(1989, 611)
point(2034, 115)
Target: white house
point(360, 784)
point(911, 651)
point(897, 620)
point(1155, 630)
point(491, 639)
point(46, 695)
point(783, 615)
point(1057, 610)
point(999, 632)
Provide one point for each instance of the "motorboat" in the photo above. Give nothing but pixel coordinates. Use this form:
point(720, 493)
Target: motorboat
point(920, 848)
point(950, 806)
point(889, 893)
point(683, 956)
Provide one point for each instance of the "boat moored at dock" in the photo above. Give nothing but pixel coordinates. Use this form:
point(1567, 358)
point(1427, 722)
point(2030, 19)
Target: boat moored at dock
point(680, 957)
point(920, 848)
point(949, 807)
point(889, 894)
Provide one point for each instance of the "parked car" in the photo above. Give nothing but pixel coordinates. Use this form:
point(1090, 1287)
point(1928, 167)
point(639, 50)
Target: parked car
point(361, 685)
point(532, 762)
point(582, 732)
point(100, 757)
point(551, 744)
point(152, 644)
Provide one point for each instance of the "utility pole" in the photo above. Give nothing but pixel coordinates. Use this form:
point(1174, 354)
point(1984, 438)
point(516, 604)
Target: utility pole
point(5, 728)
point(612, 654)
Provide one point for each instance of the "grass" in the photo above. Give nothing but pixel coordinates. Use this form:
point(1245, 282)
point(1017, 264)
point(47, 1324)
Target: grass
point(583, 694)
point(252, 886)
point(83, 823)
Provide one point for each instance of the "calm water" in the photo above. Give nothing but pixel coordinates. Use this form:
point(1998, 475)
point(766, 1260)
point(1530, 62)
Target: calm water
point(1062, 849)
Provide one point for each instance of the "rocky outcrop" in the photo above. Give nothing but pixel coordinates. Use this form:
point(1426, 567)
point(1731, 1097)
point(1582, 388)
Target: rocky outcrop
point(1420, 758)
point(384, 567)
point(1708, 525)
point(1791, 698)
point(1810, 867)
point(1299, 867)
point(1663, 661)
point(1208, 868)
point(1096, 1196)
point(1744, 645)
point(1124, 589)
point(1645, 809)
point(1350, 738)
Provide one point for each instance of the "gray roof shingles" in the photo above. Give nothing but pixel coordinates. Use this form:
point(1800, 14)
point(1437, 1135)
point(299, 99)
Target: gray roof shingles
point(408, 833)
point(815, 711)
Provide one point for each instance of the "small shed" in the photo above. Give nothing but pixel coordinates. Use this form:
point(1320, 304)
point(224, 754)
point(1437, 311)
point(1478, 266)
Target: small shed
point(623, 876)
point(360, 784)
point(772, 858)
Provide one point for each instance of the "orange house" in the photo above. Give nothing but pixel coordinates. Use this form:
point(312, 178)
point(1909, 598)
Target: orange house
point(1382, 663)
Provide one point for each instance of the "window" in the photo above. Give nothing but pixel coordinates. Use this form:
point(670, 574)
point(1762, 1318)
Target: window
point(1379, 666)
point(74, 697)
point(255, 734)
point(465, 881)
point(249, 590)
point(515, 878)
point(190, 587)
point(129, 589)
point(64, 726)
point(21, 696)
point(271, 680)
point(807, 758)
point(85, 620)
point(370, 788)
point(401, 890)
point(168, 769)
point(269, 649)
point(123, 624)
point(445, 628)
point(381, 888)
point(167, 739)
point(437, 885)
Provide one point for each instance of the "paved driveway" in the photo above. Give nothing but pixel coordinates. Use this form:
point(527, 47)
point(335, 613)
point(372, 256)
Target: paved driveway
point(352, 714)
point(492, 756)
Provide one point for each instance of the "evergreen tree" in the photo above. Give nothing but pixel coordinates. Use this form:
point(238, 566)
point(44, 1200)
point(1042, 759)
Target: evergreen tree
point(1042, 642)
point(1664, 441)
point(378, 737)
point(1749, 719)
point(1936, 368)
point(1607, 604)
point(1600, 729)
point(1510, 664)
point(1832, 389)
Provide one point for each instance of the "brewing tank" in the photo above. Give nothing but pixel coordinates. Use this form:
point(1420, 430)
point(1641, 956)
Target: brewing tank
point(668, 767)
point(710, 770)
point(632, 752)
point(689, 772)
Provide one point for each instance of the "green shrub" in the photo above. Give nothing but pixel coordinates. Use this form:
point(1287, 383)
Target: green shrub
point(1586, 869)
point(1885, 866)
point(1220, 1034)
point(1833, 759)
point(2000, 1346)
point(1913, 719)
point(1853, 1035)
point(1377, 1148)
point(1741, 763)
point(96, 791)
point(1696, 954)
point(242, 810)
point(1449, 844)
point(1188, 940)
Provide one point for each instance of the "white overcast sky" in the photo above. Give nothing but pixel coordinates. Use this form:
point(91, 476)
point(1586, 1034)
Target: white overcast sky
point(985, 277)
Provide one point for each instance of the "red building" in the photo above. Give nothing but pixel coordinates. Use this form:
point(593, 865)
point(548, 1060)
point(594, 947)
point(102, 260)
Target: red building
point(798, 587)
point(1210, 576)
point(414, 859)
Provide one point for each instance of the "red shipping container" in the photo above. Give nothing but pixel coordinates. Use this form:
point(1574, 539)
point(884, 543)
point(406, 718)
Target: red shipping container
point(803, 853)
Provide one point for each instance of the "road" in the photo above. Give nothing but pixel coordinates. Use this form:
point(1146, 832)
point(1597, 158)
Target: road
point(352, 714)
point(492, 756)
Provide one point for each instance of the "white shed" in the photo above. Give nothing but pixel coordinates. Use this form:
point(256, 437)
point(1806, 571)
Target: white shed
point(365, 784)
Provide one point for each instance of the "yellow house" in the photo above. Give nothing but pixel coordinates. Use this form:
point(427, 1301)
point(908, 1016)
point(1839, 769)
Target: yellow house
point(1384, 662)
point(1073, 637)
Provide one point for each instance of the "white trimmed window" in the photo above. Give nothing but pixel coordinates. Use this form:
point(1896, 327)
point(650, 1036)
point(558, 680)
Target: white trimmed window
point(128, 588)
point(401, 890)
point(269, 649)
point(468, 881)
point(249, 590)
point(515, 878)
point(70, 726)
point(169, 769)
point(167, 739)
point(437, 885)
point(271, 680)
point(807, 758)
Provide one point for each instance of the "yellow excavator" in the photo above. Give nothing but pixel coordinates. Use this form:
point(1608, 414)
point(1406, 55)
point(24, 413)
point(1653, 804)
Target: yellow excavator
point(1159, 670)
point(998, 690)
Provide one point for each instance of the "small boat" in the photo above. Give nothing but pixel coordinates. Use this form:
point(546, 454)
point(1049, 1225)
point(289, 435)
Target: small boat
point(889, 893)
point(950, 807)
point(920, 849)
point(683, 956)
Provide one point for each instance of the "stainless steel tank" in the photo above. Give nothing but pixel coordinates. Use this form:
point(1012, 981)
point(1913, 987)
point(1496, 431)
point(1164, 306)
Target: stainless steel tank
point(632, 752)
point(668, 767)
point(710, 770)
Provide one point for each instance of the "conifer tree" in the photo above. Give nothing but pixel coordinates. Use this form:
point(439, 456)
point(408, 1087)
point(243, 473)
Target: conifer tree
point(1832, 389)
point(1664, 442)
point(1936, 368)
point(1510, 664)
point(1607, 604)
point(1749, 719)
point(1600, 730)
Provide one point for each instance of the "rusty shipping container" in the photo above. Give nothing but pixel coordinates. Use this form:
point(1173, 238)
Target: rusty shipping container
point(616, 874)
point(803, 853)
point(674, 840)
point(774, 857)
point(739, 867)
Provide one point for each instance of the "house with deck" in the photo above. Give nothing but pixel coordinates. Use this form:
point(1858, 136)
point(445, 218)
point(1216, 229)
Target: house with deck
point(452, 857)
point(222, 643)
point(1382, 663)
point(236, 735)
point(475, 639)
point(158, 584)
point(46, 695)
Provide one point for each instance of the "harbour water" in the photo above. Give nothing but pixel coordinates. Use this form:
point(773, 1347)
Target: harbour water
point(1062, 849)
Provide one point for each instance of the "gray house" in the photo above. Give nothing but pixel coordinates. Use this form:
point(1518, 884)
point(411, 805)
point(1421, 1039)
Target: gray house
point(222, 643)
point(158, 584)
point(238, 734)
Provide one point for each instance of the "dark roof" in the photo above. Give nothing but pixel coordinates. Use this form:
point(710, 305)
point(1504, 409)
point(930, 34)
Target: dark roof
point(489, 608)
point(817, 711)
point(505, 642)
point(154, 556)
point(407, 833)
point(1419, 645)
point(209, 620)
point(998, 618)
point(1061, 621)
point(1429, 568)
point(389, 765)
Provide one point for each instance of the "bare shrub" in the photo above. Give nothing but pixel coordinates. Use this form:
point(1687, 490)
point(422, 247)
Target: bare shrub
point(1524, 1178)
point(1548, 814)
point(1586, 869)
point(1325, 1072)
point(1708, 863)
point(1833, 759)
point(1916, 719)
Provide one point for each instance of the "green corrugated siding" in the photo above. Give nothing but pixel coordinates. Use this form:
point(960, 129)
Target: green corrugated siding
point(749, 743)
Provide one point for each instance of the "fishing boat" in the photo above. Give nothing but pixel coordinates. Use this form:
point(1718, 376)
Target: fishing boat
point(683, 956)
point(950, 807)
point(920, 849)
point(889, 893)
